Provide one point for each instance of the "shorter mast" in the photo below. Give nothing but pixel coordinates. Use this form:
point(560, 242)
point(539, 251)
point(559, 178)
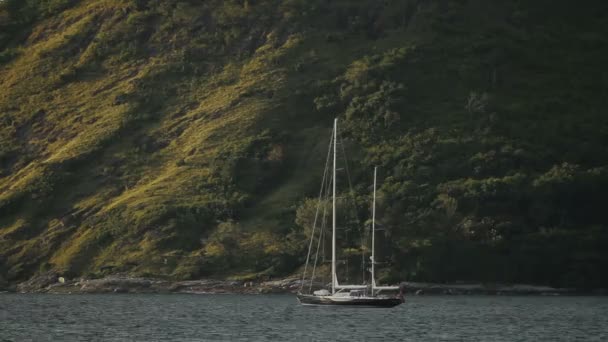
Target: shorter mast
point(374, 233)
point(374, 286)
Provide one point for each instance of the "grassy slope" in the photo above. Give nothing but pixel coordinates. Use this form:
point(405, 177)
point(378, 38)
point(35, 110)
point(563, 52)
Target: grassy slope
point(177, 139)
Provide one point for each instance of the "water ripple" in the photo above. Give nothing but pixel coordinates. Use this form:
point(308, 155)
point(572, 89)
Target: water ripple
point(280, 318)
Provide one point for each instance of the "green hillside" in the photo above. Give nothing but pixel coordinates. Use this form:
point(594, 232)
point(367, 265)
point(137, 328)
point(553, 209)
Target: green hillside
point(181, 139)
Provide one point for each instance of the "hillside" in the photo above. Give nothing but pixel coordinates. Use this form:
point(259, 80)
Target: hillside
point(181, 139)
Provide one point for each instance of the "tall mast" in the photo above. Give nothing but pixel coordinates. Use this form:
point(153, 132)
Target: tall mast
point(333, 217)
point(374, 233)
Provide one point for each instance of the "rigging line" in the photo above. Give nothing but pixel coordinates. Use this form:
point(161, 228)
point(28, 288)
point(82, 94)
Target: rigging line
point(323, 201)
point(324, 218)
point(321, 233)
point(323, 256)
point(346, 262)
point(352, 195)
point(350, 183)
point(312, 235)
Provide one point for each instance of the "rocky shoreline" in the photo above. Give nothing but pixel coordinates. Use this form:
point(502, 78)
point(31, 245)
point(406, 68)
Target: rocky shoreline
point(51, 283)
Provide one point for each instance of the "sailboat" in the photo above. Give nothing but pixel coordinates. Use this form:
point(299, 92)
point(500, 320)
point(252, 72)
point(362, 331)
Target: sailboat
point(360, 295)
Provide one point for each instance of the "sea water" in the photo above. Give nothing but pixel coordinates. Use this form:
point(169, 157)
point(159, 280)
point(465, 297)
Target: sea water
point(145, 317)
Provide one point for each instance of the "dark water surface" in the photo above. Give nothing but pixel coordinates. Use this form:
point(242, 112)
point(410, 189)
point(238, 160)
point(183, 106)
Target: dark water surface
point(281, 318)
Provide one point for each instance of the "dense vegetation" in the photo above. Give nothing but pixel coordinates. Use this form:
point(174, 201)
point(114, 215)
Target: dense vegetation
point(180, 138)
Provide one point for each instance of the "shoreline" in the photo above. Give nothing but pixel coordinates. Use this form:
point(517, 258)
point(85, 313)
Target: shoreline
point(125, 284)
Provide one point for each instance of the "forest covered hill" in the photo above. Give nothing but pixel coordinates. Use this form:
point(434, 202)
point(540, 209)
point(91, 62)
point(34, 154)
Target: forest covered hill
point(186, 139)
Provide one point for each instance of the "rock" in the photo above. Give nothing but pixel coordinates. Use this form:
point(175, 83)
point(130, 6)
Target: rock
point(522, 289)
point(3, 284)
point(280, 286)
point(107, 268)
point(120, 284)
point(269, 290)
point(38, 283)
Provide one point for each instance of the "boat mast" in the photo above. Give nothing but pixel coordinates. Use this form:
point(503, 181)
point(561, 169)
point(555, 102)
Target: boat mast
point(333, 217)
point(374, 233)
point(374, 286)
